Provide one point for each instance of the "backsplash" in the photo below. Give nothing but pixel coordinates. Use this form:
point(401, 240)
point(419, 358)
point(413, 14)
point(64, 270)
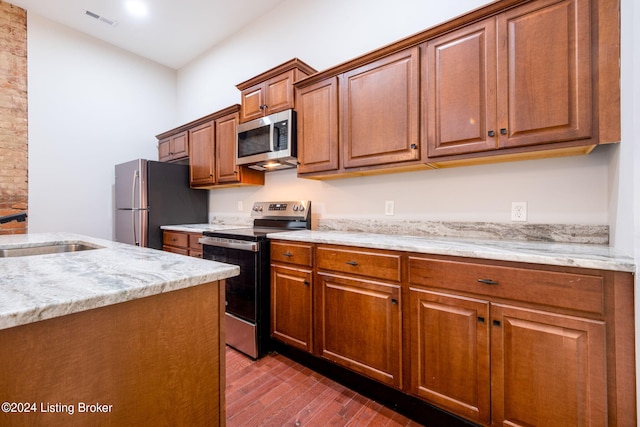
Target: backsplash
point(559, 233)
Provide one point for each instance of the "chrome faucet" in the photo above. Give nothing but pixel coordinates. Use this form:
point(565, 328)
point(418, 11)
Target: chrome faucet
point(21, 217)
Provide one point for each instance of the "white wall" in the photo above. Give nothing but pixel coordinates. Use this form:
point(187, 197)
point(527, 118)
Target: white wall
point(324, 33)
point(91, 106)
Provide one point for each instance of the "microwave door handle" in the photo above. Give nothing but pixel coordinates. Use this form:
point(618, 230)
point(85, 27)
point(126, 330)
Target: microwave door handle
point(273, 137)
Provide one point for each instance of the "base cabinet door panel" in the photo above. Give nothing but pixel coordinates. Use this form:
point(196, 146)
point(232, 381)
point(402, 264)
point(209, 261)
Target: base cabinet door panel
point(449, 341)
point(291, 306)
point(359, 326)
point(547, 369)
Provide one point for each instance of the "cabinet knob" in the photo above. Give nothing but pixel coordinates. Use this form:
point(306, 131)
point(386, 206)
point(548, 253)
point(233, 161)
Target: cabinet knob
point(414, 146)
point(306, 283)
point(503, 131)
point(288, 254)
point(352, 263)
point(394, 301)
point(480, 319)
point(496, 323)
point(491, 133)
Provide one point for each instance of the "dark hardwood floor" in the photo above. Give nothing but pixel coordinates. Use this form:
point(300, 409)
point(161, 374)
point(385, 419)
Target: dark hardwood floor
point(276, 391)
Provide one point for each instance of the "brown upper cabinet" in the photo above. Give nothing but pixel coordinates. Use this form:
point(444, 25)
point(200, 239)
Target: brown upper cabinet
point(380, 111)
point(173, 148)
point(271, 91)
point(211, 141)
point(519, 79)
point(363, 119)
point(515, 79)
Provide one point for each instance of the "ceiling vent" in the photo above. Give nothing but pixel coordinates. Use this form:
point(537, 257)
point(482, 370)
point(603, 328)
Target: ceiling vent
point(103, 19)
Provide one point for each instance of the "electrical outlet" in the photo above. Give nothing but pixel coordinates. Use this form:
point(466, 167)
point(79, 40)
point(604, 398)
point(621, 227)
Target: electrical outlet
point(240, 206)
point(518, 211)
point(388, 207)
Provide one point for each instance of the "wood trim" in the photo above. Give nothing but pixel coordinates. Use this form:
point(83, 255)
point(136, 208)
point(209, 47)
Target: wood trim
point(606, 48)
point(511, 155)
point(222, 348)
point(220, 113)
point(621, 369)
point(293, 64)
point(414, 40)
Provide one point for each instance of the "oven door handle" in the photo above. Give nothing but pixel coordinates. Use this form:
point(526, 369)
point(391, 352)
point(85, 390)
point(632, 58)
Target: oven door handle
point(235, 244)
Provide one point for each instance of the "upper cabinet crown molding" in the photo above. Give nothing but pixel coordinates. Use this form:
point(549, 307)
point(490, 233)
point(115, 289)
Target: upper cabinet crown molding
point(414, 40)
point(292, 64)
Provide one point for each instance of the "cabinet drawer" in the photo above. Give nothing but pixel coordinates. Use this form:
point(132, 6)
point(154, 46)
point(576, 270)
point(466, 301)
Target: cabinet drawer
point(557, 289)
point(291, 253)
point(175, 238)
point(175, 250)
point(371, 263)
point(194, 243)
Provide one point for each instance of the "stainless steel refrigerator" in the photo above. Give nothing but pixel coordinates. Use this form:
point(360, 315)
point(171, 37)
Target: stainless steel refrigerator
point(150, 194)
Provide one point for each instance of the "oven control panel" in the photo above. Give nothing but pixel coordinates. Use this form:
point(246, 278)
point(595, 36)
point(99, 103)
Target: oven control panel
point(298, 209)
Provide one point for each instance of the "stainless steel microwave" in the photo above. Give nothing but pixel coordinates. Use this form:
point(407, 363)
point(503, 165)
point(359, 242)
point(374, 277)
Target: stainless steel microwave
point(268, 143)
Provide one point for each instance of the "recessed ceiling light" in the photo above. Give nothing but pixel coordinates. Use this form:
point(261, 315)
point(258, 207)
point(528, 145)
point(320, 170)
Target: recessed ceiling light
point(136, 7)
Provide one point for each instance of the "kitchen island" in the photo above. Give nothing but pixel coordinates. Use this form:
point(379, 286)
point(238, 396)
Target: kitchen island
point(109, 334)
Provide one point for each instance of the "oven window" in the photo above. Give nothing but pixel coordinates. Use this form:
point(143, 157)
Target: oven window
point(240, 290)
point(254, 141)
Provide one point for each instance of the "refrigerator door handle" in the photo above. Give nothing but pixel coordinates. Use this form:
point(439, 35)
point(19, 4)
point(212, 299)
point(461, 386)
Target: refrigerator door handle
point(136, 176)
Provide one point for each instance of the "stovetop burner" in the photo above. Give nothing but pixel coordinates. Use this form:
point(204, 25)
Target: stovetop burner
point(271, 217)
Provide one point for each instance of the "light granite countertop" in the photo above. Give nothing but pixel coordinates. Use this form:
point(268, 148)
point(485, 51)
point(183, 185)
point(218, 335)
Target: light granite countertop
point(593, 256)
point(199, 228)
point(40, 287)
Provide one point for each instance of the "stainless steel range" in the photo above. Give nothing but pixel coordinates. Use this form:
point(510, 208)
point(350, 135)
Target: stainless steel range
point(248, 295)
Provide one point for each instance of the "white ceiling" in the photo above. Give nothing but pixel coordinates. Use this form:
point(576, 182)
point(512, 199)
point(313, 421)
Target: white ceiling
point(173, 33)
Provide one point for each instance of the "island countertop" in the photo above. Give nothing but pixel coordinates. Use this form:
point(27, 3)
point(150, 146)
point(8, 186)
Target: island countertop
point(601, 257)
point(39, 287)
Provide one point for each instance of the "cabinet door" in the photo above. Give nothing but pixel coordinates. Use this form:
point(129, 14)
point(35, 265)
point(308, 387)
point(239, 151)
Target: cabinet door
point(380, 117)
point(449, 345)
point(547, 369)
point(279, 92)
point(226, 169)
point(359, 326)
point(179, 146)
point(291, 302)
point(202, 155)
point(317, 107)
point(544, 73)
point(252, 102)
point(164, 150)
point(460, 72)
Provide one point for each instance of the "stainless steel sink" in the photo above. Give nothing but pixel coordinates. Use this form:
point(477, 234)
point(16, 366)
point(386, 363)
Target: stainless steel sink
point(55, 248)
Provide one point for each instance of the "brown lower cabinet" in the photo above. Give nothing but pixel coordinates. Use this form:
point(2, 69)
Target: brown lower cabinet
point(497, 343)
point(183, 243)
point(292, 295)
point(358, 326)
